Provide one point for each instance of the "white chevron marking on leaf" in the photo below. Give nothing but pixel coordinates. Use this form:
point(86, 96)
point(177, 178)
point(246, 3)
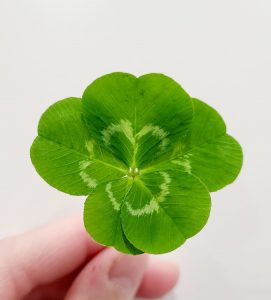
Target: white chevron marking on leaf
point(90, 182)
point(156, 131)
point(146, 210)
point(184, 162)
point(89, 146)
point(153, 206)
point(108, 189)
point(125, 126)
point(164, 187)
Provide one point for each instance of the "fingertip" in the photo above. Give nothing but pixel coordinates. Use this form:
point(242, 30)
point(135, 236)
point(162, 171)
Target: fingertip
point(110, 275)
point(160, 278)
point(130, 268)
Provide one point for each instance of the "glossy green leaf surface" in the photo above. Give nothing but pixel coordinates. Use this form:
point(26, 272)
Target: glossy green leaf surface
point(102, 215)
point(64, 154)
point(146, 155)
point(169, 203)
point(209, 152)
point(128, 116)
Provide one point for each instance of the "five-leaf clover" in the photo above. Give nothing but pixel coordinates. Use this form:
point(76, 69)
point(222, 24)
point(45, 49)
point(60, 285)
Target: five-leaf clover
point(145, 153)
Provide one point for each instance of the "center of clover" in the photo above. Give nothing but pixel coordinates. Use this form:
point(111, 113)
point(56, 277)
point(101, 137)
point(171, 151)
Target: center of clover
point(133, 172)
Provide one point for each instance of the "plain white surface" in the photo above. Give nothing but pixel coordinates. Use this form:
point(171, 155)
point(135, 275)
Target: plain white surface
point(220, 51)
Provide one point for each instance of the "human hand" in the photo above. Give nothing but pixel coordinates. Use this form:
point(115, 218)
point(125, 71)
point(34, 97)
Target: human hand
point(61, 261)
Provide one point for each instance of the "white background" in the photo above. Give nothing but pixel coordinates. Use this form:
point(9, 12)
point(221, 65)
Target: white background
point(220, 51)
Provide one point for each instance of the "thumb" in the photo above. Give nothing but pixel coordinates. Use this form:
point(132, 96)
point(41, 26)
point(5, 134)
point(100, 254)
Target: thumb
point(110, 275)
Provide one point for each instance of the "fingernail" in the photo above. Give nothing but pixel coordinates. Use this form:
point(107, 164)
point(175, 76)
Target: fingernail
point(127, 271)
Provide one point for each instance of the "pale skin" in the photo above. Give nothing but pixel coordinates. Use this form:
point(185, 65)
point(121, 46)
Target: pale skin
point(60, 261)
